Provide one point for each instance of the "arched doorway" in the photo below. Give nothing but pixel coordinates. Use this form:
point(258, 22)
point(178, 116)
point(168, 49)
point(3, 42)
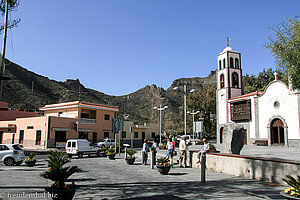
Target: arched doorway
point(221, 134)
point(277, 132)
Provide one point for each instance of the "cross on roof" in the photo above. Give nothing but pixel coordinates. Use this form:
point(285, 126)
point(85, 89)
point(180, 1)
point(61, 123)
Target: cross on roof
point(275, 74)
point(228, 41)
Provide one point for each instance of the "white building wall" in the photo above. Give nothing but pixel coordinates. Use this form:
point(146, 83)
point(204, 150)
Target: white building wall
point(252, 132)
point(222, 105)
point(288, 109)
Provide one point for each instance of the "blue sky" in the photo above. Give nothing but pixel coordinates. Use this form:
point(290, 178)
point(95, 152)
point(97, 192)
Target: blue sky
point(119, 46)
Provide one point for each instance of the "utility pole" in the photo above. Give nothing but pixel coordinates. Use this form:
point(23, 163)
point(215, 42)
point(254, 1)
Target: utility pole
point(2, 68)
point(184, 91)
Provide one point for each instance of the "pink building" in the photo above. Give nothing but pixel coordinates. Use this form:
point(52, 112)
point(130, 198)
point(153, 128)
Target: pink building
point(61, 122)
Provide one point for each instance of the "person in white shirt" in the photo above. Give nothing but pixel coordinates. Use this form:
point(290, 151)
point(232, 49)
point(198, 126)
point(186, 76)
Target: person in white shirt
point(170, 150)
point(154, 146)
point(206, 148)
point(145, 151)
point(183, 148)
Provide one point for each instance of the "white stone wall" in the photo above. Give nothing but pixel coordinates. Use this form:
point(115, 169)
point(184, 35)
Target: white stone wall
point(222, 106)
point(252, 123)
point(249, 167)
point(288, 109)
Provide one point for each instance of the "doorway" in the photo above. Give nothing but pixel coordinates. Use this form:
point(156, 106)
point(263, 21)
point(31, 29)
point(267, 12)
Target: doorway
point(245, 137)
point(277, 132)
point(60, 136)
point(221, 135)
point(1, 137)
point(13, 139)
point(143, 136)
point(83, 135)
point(94, 137)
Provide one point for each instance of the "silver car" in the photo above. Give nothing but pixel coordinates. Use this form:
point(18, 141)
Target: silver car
point(11, 154)
point(106, 143)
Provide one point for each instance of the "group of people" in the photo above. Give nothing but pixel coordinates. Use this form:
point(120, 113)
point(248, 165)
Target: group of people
point(146, 150)
point(171, 150)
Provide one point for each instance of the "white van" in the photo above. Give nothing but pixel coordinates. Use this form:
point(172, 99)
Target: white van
point(80, 147)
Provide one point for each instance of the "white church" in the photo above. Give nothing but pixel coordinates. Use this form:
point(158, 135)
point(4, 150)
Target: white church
point(269, 118)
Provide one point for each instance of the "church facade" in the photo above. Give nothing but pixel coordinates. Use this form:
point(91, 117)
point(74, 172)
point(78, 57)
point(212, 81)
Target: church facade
point(269, 118)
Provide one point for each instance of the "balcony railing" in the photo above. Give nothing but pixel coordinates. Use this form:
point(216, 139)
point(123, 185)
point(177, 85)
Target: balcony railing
point(87, 121)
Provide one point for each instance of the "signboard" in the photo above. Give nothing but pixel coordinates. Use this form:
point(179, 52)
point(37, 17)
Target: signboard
point(116, 125)
point(198, 127)
point(119, 125)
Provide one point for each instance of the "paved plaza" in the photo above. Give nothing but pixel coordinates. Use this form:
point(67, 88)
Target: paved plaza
point(273, 152)
point(114, 179)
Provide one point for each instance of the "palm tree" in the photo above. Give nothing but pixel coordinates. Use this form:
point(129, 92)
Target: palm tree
point(56, 171)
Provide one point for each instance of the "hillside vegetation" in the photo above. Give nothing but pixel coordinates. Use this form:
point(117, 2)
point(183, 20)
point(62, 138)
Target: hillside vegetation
point(29, 91)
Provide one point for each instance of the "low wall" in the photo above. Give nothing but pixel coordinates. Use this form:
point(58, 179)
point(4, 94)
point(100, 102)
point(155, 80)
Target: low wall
point(265, 169)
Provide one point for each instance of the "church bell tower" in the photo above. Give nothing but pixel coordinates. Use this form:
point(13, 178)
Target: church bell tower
point(229, 84)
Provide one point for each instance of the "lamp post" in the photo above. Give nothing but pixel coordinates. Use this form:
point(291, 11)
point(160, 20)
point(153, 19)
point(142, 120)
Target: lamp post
point(160, 109)
point(184, 93)
point(193, 114)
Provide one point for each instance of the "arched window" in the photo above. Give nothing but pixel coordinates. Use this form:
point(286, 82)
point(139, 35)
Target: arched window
point(237, 63)
point(231, 62)
point(220, 64)
point(222, 82)
point(224, 63)
point(235, 80)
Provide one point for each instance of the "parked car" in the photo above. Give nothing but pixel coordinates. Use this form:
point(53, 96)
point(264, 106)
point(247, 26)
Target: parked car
point(11, 154)
point(80, 147)
point(106, 143)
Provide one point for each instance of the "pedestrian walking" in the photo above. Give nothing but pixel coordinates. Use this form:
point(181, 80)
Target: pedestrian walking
point(145, 151)
point(170, 150)
point(153, 151)
point(183, 149)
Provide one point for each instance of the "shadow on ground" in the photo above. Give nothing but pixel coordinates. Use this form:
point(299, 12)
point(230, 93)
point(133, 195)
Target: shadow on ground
point(225, 189)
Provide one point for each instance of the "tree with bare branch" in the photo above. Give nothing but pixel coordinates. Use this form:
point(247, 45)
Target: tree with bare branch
point(12, 6)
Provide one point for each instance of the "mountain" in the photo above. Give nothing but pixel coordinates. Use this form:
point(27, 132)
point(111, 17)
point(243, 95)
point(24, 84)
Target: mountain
point(30, 91)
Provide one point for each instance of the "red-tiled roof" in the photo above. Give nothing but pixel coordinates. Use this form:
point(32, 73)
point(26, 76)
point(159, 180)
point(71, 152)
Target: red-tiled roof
point(245, 96)
point(79, 103)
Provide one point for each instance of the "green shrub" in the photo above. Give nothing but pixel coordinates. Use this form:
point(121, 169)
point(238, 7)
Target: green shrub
point(131, 152)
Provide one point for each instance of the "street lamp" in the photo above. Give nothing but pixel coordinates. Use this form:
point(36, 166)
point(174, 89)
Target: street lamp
point(193, 113)
point(160, 109)
point(185, 93)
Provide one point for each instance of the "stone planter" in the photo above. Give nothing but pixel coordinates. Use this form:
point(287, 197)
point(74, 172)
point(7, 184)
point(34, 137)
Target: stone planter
point(130, 161)
point(30, 163)
point(102, 154)
point(111, 156)
point(288, 196)
point(64, 194)
point(164, 170)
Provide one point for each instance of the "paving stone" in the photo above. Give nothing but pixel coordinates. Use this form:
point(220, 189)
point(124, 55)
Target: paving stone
point(114, 179)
